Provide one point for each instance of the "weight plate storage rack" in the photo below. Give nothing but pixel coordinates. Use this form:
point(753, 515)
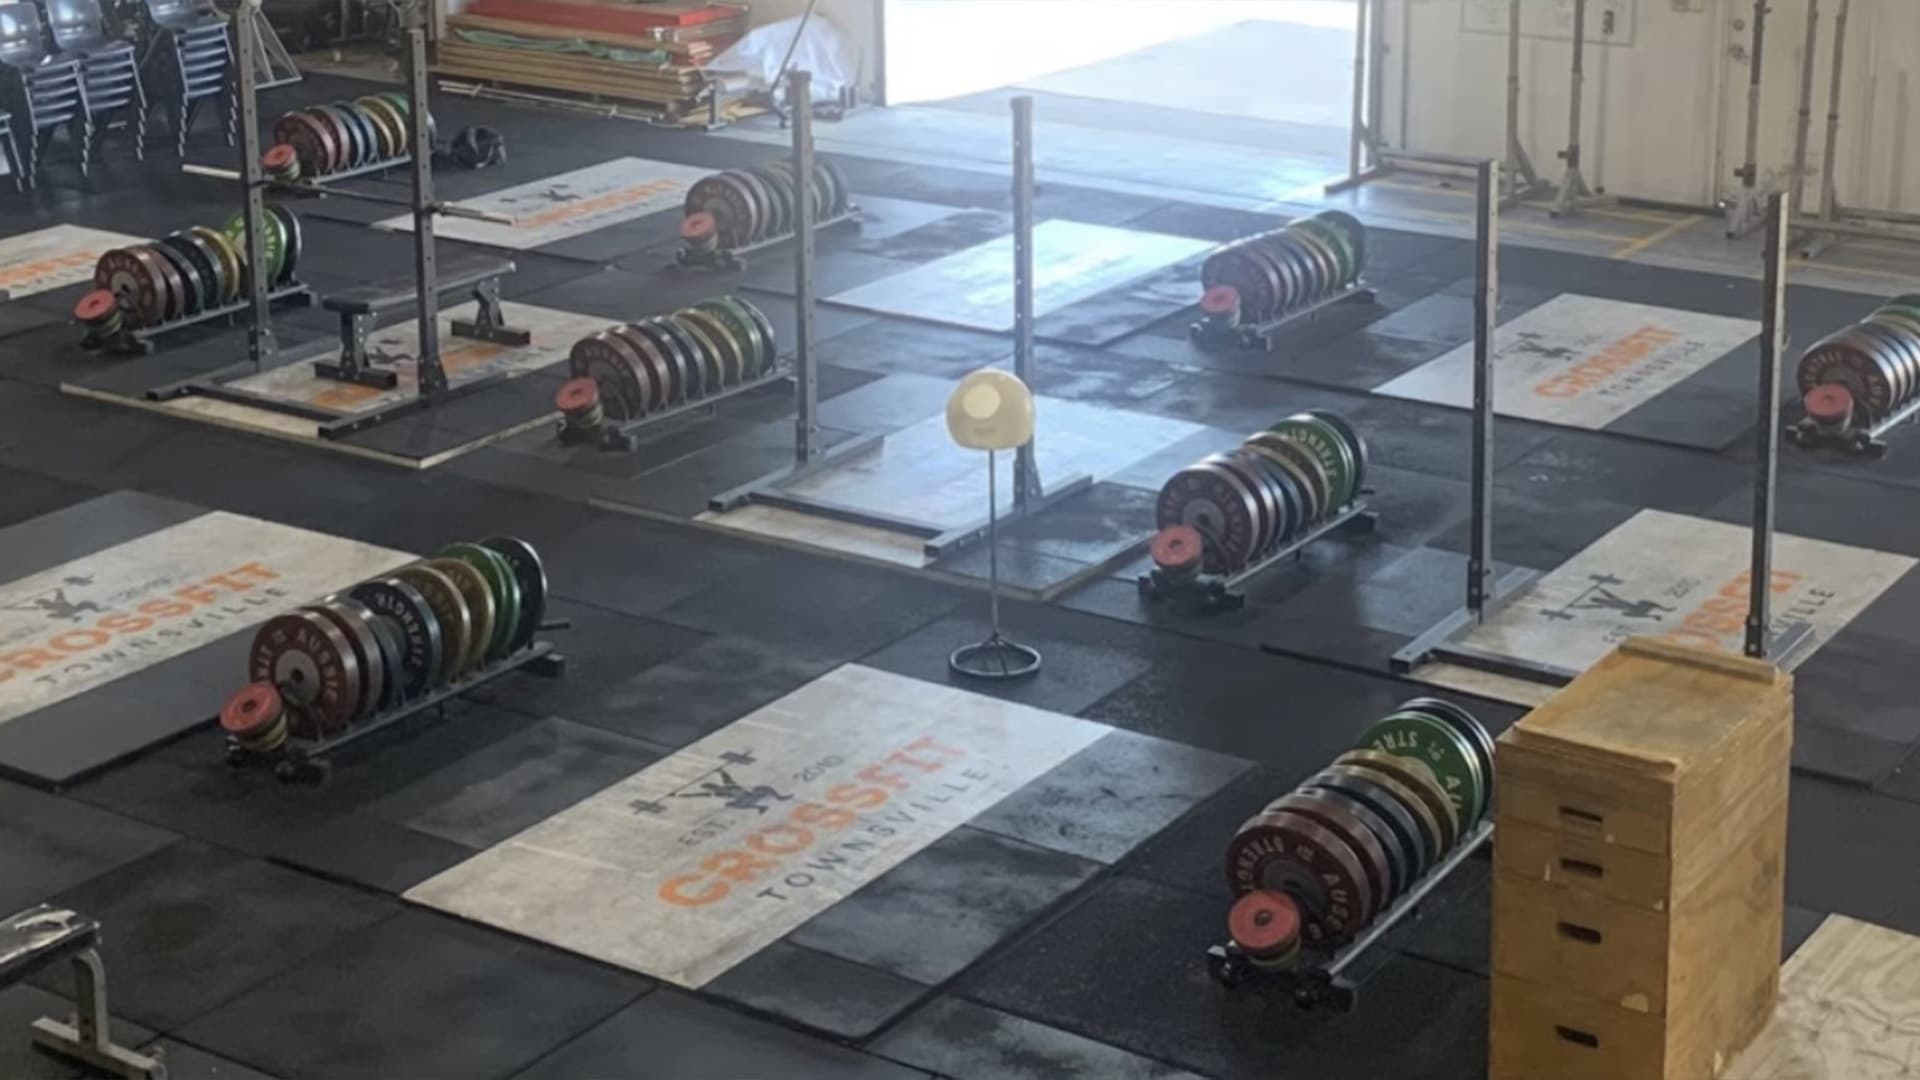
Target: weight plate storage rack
point(330, 673)
point(1260, 284)
point(1231, 516)
point(325, 143)
point(1326, 870)
point(639, 374)
point(187, 277)
point(733, 213)
point(1858, 383)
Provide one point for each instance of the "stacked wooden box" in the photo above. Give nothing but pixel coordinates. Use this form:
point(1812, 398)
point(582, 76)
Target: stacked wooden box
point(1639, 851)
point(652, 54)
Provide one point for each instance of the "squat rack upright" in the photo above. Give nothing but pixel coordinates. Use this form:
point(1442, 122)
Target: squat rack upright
point(432, 387)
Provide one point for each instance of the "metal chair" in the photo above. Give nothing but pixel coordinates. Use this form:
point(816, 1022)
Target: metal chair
point(193, 58)
point(108, 67)
point(44, 87)
point(9, 151)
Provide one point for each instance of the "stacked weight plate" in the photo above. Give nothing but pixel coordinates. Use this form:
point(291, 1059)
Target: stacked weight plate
point(319, 669)
point(185, 273)
point(345, 135)
point(1875, 362)
point(1343, 846)
point(1263, 277)
point(747, 206)
point(645, 367)
point(1228, 511)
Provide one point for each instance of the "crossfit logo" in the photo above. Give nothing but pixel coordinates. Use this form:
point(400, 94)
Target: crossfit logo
point(1604, 367)
point(1721, 619)
point(718, 783)
point(1600, 596)
point(817, 837)
point(581, 208)
point(127, 625)
point(48, 273)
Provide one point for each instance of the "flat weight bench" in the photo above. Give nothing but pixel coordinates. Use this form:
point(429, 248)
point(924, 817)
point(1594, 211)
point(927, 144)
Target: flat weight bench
point(38, 936)
point(360, 306)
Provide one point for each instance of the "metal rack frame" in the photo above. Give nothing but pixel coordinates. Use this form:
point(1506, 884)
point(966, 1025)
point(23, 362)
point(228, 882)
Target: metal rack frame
point(733, 258)
point(1368, 155)
point(432, 385)
point(1442, 643)
point(310, 760)
point(1219, 592)
point(1262, 335)
point(1746, 210)
point(810, 457)
point(1835, 221)
point(1334, 979)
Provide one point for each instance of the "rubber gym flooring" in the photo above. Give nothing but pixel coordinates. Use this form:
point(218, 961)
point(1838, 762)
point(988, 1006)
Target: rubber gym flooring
point(258, 930)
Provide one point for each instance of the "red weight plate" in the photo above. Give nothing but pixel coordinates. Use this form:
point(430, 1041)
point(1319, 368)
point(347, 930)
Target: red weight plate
point(1281, 850)
point(97, 306)
point(1829, 404)
point(603, 352)
point(1177, 547)
point(1219, 504)
point(1861, 364)
point(1220, 300)
point(279, 158)
point(313, 665)
point(577, 395)
point(1264, 923)
point(134, 274)
point(251, 710)
point(698, 225)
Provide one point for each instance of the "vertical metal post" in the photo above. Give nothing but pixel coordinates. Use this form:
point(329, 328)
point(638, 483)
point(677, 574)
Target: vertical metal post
point(261, 346)
point(1829, 189)
point(1773, 342)
point(1520, 178)
point(806, 431)
point(432, 377)
point(1804, 125)
point(1486, 306)
point(1750, 169)
point(993, 540)
point(1026, 477)
point(1574, 187)
point(1361, 68)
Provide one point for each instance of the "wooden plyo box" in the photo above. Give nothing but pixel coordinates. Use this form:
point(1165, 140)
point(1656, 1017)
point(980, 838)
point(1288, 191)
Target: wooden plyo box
point(1639, 859)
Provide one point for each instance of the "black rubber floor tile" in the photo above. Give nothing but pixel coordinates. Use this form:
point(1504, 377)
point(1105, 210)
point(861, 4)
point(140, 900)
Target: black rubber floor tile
point(1540, 530)
point(1275, 710)
point(1800, 924)
point(1433, 440)
point(686, 486)
point(957, 1038)
point(360, 1008)
point(818, 607)
point(485, 797)
point(897, 346)
point(251, 812)
point(625, 563)
point(1241, 404)
point(1023, 571)
point(938, 239)
point(838, 997)
point(1128, 967)
point(1599, 466)
point(1903, 780)
point(1099, 376)
point(1406, 597)
point(1083, 659)
point(1116, 794)
point(1862, 683)
point(191, 927)
point(703, 689)
point(1847, 757)
point(1846, 854)
point(1453, 926)
point(22, 1004)
point(668, 1035)
point(1217, 223)
point(930, 917)
point(1188, 854)
point(49, 844)
point(436, 510)
point(30, 494)
point(1091, 527)
point(1855, 510)
point(603, 649)
point(1446, 318)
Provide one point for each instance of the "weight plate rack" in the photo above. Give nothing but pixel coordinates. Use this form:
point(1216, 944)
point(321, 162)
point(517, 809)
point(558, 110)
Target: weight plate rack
point(323, 143)
point(187, 277)
point(1325, 870)
point(330, 673)
point(738, 211)
point(1860, 381)
point(1231, 516)
point(1259, 284)
point(637, 374)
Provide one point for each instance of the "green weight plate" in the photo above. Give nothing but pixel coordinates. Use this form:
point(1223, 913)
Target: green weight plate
point(726, 360)
point(1462, 721)
point(1444, 750)
point(1316, 484)
point(273, 239)
point(1356, 444)
point(503, 588)
point(1335, 239)
point(531, 574)
point(1355, 233)
point(1326, 444)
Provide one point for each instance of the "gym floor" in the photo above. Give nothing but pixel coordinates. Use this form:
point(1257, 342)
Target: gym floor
point(257, 930)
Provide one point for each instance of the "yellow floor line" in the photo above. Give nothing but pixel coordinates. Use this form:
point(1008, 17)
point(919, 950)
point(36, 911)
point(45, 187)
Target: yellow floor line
point(1628, 251)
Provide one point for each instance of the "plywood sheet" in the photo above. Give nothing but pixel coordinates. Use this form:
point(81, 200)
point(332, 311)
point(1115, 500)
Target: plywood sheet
point(568, 204)
point(54, 257)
